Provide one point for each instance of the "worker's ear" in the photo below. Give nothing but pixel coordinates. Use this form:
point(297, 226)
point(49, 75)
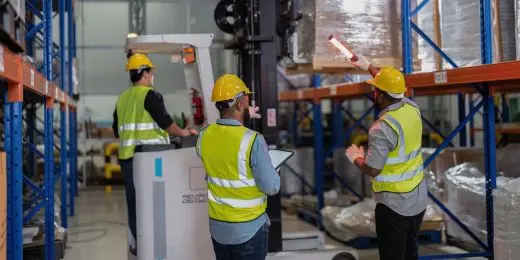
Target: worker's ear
point(242, 103)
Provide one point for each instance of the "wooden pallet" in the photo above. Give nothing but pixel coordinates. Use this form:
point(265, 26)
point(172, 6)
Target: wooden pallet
point(325, 63)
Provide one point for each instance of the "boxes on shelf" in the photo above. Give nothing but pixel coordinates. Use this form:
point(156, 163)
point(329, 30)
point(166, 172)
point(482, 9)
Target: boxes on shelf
point(347, 223)
point(12, 20)
point(368, 27)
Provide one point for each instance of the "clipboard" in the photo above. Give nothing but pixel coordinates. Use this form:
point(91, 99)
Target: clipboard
point(279, 157)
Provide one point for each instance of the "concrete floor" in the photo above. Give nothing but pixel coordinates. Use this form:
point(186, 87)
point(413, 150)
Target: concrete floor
point(99, 229)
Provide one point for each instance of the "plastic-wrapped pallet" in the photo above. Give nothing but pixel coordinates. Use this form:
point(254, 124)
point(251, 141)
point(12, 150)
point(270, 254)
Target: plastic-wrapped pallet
point(302, 40)
point(358, 220)
point(460, 29)
point(369, 27)
point(465, 197)
point(507, 221)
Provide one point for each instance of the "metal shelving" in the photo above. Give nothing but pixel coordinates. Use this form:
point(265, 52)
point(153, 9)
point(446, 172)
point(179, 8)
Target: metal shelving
point(485, 80)
point(24, 85)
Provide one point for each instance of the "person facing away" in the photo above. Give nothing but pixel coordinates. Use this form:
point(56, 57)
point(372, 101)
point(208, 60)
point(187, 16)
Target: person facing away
point(394, 161)
point(240, 175)
point(140, 118)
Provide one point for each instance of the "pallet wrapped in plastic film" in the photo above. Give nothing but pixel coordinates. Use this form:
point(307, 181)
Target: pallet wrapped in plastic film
point(358, 220)
point(368, 27)
point(465, 197)
point(507, 220)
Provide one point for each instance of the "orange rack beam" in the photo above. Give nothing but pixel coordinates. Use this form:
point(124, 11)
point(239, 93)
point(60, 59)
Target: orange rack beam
point(15, 70)
point(509, 129)
point(501, 77)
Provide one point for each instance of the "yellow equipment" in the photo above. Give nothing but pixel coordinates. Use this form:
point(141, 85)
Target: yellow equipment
point(390, 80)
point(139, 61)
point(227, 87)
point(110, 168)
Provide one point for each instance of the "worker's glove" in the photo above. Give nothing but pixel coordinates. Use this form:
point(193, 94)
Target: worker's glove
point(354, 152)
point(361, 62)
point(253, 112)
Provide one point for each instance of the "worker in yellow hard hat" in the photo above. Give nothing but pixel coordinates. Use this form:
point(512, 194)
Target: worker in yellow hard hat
point(394, 162)
point(140, 118)
point(240, 175)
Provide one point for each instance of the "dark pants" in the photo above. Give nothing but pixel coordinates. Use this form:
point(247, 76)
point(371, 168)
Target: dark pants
point(254, 249)
point(397, 234)
point(127, 169)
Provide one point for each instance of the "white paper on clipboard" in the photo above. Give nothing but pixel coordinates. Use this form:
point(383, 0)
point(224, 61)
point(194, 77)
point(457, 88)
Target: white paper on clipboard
point(278, 157)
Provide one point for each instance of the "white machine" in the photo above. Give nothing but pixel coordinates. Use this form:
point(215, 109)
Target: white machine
point(171, 192)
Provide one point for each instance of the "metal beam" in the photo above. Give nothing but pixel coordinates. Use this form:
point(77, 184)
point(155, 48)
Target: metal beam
point(137, 16)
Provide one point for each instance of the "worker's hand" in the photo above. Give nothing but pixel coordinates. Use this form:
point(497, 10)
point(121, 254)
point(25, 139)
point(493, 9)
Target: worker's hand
point(361, 62)
point(193, 131)
point(354, 152)
point(253, 112)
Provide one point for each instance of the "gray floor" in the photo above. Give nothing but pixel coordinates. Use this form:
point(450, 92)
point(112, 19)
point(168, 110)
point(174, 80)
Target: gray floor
point(99, 231)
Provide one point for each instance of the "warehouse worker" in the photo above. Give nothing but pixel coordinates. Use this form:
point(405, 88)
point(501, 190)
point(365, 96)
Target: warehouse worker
point(394, 162)
point(140, 117)
point(239, 175)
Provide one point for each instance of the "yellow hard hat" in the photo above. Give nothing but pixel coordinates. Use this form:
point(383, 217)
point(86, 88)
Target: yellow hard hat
point(228, 87)
point(389, 80)
point(138, 61)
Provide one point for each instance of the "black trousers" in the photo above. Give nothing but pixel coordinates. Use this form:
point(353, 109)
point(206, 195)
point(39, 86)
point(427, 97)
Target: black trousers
point(397, 234)
point(127, 169)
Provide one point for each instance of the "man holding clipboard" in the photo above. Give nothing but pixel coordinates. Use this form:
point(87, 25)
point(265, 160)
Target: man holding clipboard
point(240, 175)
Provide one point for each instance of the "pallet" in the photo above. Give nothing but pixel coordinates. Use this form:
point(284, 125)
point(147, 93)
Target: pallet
point(338, 64)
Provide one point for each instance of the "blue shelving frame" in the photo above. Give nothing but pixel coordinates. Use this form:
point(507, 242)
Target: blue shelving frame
point(65, 170)
point(486, 103)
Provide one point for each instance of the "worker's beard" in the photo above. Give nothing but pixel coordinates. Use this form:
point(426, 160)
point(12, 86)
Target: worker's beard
point(245, 117)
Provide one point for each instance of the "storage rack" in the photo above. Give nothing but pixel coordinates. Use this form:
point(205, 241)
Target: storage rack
point(23, 84)
point(485, 80)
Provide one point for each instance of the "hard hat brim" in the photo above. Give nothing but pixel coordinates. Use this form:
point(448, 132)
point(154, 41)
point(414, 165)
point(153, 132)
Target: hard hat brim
point(219, 100)
point(394, 95)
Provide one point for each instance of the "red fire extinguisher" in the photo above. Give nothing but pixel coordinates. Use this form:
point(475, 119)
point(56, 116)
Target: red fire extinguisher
point(197, 106)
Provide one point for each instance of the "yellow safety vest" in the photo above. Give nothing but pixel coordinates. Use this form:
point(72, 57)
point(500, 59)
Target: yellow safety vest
point(232, 192)
point(135, 125)
point(403, 169)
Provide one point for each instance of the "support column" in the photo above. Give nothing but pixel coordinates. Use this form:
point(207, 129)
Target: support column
point(319, 158)
point(489, 120)
point(72, 154)
point(49, 179)
point(406, 37)
point(137, 16)
point(63, 166)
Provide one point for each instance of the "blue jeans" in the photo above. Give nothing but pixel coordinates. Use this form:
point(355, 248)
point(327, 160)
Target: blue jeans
point(254, 249)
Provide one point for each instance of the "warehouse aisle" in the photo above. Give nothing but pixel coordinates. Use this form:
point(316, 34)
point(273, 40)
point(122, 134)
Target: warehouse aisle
point(99, 231)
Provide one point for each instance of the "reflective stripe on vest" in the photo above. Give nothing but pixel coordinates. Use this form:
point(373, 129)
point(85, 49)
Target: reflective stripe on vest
point(138, 127)
point(237, 203)
point(232, 192)
point(403, 169)
point(134, 142)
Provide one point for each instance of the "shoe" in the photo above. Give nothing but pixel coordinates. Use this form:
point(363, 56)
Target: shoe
point(132, 253)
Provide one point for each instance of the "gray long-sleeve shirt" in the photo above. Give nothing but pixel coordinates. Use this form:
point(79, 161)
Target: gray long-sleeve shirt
point(381, 140)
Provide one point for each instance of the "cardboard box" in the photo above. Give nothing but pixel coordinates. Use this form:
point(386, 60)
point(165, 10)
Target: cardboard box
point(3, 206)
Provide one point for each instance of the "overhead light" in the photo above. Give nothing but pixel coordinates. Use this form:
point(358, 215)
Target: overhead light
point(131, 35)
